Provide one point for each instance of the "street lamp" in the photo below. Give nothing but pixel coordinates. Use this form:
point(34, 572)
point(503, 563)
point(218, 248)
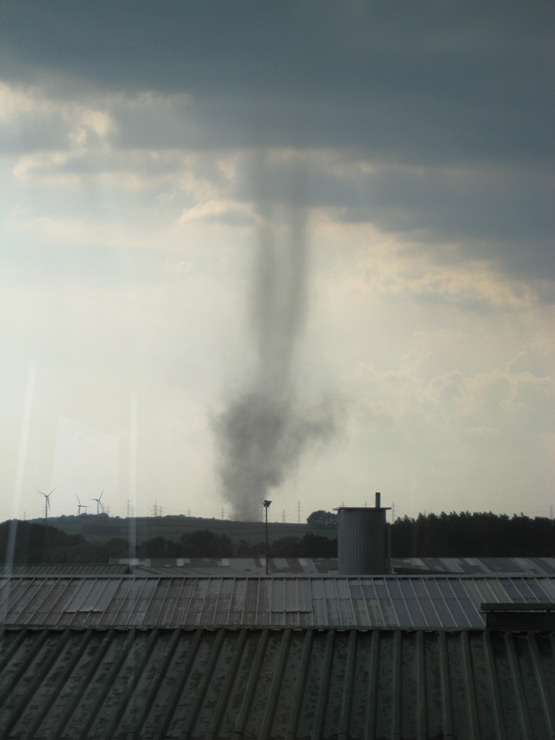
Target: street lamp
point(266, 507)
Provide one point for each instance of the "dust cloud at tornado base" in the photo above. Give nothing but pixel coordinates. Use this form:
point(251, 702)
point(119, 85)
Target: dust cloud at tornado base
point(265, 428)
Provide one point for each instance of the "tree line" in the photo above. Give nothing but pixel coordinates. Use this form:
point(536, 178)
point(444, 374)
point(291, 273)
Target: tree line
point(429, 535)
point(465, 534)
point(24, 542)
point(473, 535)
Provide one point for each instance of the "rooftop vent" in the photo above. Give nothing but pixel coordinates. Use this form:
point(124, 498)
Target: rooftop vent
point(522, 616)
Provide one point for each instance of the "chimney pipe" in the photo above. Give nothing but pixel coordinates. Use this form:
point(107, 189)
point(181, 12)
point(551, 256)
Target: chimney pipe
point(378, 499)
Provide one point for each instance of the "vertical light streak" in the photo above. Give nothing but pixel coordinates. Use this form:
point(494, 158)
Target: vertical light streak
point(19, 471)
point(133, 474)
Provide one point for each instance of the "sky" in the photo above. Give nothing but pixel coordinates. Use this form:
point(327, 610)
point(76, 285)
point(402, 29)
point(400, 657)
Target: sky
point(290, 251)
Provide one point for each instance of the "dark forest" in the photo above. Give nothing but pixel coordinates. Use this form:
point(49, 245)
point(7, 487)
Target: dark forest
point(429, 535)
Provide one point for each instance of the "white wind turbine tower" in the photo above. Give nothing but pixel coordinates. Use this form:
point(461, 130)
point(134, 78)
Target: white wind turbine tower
point(47, 502)
point(80, 506)
point(99, 503)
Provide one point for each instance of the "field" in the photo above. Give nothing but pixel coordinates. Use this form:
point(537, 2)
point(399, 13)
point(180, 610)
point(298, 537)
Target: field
point(98, 528)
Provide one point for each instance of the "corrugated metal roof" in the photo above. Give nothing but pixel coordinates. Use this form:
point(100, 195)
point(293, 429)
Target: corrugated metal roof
point(276, 684)
point(478, 566)
point(230, 566)
point(64, 569)
point(412, 602)
point(309, 566)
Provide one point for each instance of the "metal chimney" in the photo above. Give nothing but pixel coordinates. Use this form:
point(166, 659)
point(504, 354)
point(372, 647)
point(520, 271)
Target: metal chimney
point(362, 540)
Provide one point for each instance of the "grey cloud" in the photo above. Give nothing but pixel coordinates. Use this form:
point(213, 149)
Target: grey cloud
point(231, 218)
point(452, 103)
point(453, 82)
point(391, 126)
point(97, 162)
point(491, 215)
point(34, 132)
point(495, 214)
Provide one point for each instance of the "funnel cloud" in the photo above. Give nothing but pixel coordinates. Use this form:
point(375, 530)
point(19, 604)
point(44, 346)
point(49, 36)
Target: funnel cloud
point(265, 429)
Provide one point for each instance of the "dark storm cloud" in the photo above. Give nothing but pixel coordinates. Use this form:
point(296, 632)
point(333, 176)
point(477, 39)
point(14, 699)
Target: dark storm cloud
point(491, 213)
point(450, 102)
point(433, 80)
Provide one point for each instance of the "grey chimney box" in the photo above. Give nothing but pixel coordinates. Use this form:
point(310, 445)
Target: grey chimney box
point(362, 540)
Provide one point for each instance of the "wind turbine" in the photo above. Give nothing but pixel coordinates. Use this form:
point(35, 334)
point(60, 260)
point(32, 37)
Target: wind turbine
point(99, 503)
point(47, 502)
point(80, 506)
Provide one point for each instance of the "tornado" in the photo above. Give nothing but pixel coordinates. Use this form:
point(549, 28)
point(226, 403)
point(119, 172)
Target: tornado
point(264, 430)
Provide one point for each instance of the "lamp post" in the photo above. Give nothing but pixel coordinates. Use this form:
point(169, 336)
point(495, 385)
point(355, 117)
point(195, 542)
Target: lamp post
point(266, 507)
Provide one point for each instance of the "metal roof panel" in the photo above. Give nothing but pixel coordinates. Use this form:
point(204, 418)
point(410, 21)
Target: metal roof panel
point(415, 602)
point(146, 683)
